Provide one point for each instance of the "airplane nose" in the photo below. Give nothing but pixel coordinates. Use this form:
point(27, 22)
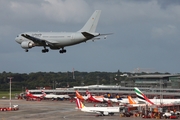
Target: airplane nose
point(17, 39)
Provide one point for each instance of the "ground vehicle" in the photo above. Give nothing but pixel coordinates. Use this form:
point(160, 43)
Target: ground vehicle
point(170, 115)
point(177, 112)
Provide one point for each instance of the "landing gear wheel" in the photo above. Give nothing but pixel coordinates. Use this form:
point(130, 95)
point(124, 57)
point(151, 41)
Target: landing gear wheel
point(26, 50)
point(45, 50)
point(62, 51)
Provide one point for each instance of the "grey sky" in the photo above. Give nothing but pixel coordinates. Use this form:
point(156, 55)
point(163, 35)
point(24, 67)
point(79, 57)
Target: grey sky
point(146, 35)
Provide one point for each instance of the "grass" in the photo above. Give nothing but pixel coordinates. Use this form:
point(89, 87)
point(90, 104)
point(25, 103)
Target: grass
point(6, 94)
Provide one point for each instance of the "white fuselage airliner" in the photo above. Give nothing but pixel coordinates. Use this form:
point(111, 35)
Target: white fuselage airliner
point(59, 40)
point(54, 96)
point(98, 110)
point(142, 97)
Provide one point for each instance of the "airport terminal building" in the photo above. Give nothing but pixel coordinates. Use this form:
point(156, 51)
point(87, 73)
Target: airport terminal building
point(153, 81)
point(152, 85)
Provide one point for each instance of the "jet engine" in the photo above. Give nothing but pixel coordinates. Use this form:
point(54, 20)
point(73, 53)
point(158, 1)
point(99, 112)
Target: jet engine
point(105, 113)
point(27, 44)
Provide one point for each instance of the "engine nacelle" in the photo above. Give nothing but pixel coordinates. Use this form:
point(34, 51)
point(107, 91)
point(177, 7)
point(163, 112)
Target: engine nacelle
point(27, 44)
point(105, 113)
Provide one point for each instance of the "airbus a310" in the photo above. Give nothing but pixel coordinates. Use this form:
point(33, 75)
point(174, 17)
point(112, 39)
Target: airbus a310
point(59, 40)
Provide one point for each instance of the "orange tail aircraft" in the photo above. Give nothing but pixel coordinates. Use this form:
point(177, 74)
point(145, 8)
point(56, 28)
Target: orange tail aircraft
point(80, 97)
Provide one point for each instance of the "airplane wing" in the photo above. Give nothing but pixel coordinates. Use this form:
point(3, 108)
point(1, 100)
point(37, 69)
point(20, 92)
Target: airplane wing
point(34, 39)
point(37, 40)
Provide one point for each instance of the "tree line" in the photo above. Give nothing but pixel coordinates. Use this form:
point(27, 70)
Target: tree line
point(21, 81)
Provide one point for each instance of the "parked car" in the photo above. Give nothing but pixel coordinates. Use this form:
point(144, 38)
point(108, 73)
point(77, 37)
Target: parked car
point(170, 115)
point(177, 112)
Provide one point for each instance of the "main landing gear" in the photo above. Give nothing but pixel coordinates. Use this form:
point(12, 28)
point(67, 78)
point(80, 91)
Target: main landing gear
point(62, 51)
point(45, 50)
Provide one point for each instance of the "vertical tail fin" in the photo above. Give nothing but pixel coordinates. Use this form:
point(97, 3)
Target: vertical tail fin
point(91, 24)
point(43, 93)
point(118, 97)
point(77, 93)
point(141, 96)
point(88, 94)
point(27, 91)
point(79, 104)
point(131, 101)
point(79, 96)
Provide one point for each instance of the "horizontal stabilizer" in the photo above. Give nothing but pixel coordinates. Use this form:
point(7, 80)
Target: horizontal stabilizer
point(87, 35)
point(105, 34)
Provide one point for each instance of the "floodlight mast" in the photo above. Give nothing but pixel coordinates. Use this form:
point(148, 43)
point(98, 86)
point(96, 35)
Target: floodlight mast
point(10, 78)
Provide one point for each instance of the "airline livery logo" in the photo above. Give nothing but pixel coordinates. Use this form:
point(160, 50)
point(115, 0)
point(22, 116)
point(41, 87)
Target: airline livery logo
point(142, 96)
point(79, 104)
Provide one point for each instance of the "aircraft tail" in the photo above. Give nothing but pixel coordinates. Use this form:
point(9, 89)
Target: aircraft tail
point(79, 104)
point(88, 94)
point(43, 93)
point(141, 96)
point(131, 101)
point(27, 92)
point(118, 97)
point(78, 95)
point(91, 24)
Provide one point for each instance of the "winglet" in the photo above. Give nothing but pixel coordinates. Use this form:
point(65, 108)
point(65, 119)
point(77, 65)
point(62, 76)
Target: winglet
point(142, 96)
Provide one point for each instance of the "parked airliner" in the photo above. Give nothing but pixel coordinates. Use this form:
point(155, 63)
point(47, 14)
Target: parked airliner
point(38, 97)
point(59, 40)
point(80, 97)
point(55, 96)
point(98, 110)
point(99, 99)
point(142, 97)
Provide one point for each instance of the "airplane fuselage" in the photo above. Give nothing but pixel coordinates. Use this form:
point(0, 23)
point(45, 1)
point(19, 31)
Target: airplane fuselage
point(101, 110)
point(165, 101)
point(59, 39)
point(56, 96)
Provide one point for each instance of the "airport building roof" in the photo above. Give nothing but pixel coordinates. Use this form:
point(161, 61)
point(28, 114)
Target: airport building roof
point(156, 76)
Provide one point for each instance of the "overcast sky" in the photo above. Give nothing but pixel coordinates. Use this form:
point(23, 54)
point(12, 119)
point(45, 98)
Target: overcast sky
point(146, 35)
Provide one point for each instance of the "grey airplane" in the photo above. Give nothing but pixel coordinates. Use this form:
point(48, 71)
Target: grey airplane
point(59, 40)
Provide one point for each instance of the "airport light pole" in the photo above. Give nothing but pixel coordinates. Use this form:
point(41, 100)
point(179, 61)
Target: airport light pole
point(10, 78)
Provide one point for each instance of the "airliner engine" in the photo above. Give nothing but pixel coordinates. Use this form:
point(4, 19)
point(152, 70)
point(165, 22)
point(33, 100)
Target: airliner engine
point(27, 44)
